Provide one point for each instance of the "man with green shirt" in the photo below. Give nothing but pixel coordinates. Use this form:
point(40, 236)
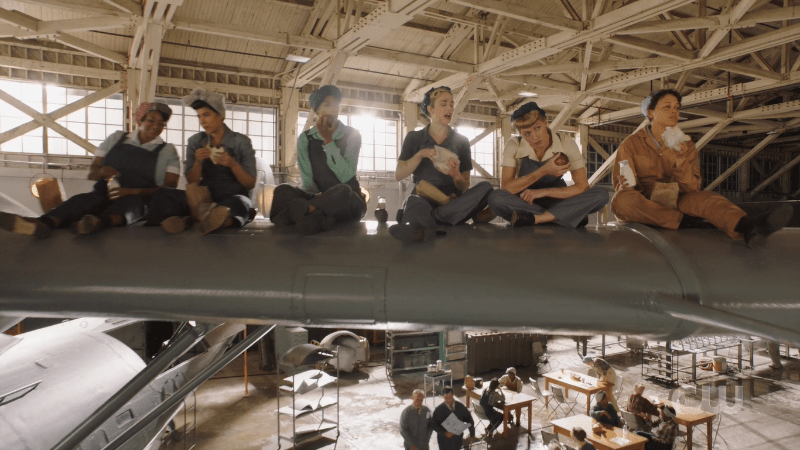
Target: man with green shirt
point(327, 155)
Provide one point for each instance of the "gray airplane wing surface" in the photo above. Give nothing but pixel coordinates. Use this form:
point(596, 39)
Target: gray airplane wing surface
point(630, 280)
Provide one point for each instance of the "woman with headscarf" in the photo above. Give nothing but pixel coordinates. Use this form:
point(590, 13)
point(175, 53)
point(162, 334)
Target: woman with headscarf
point(220, 172)
point(327, 156)
point(442, 195)
point(663, 437)
point(128, 168)
point(657, 167)
point(532, 190)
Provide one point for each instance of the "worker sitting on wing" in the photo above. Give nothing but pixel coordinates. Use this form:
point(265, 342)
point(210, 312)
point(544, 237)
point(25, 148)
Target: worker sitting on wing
point(492, 398)
point(641, 407)
point(604, 412)
point(512, 382)
point(607, 376)
point(220, 170)
point(532, 190)
point(657, 169)
point(664, 436)
point(327, 155)
point(128, 168)
point(442, 194)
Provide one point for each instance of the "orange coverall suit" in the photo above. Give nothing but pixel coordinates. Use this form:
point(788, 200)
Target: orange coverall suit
point(651, 165)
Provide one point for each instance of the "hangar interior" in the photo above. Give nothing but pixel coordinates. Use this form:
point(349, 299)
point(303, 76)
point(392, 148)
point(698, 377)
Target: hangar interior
point(73, 71)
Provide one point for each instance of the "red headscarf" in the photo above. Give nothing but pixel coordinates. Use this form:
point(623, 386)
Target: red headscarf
point(145, 108)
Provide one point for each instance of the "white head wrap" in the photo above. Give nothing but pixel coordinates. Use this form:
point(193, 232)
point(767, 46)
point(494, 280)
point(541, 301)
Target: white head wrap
point(511, 370)
point(213, 99)
point(645, 104)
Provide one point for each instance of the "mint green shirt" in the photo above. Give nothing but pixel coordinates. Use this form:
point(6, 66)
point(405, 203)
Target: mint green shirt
point(342, 161)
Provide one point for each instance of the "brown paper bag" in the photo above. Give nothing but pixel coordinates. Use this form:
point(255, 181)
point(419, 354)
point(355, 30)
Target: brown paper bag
point(666, 194)
point(51, 193)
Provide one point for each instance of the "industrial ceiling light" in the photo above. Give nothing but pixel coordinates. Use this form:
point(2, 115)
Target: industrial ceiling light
point(297, 58)
point(528, 94)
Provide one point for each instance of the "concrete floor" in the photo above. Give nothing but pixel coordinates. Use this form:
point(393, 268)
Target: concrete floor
point(371, 404)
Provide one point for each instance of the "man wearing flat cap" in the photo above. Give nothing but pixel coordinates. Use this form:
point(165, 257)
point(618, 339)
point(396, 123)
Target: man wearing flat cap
point(327, 156)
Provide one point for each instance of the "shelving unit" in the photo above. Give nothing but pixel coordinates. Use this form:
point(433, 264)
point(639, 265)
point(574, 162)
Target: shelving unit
point(407, 351)
point(308, 406)
point(660, 363)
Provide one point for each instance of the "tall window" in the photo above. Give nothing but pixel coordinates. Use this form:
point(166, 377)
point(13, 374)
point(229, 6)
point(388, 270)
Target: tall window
point(483, 150)
point(378, 140)
point(714, 166)
point(257, 123)
point(378, 143)
point(594, 161)
point(100, 119)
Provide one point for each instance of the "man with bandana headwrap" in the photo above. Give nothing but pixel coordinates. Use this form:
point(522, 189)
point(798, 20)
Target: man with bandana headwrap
point(663, 437)
point(140, 161)
point(327, 156)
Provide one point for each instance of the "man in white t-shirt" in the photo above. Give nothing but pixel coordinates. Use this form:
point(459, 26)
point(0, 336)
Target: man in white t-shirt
point(532, 190)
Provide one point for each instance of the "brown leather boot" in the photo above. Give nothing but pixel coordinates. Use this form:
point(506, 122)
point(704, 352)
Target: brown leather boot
point(430, 192)
point(196, 196)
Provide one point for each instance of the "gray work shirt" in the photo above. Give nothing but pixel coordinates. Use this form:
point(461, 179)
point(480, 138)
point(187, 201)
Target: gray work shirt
point(416, 428)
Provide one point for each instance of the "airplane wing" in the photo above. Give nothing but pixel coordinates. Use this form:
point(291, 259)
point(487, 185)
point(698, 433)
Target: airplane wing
point(629, 280)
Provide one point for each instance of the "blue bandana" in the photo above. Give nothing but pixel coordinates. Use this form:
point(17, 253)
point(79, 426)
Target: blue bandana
point(427, 100)
point(319, 96)
point(525, 109)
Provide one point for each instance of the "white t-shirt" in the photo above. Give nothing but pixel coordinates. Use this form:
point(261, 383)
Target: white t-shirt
point(517, 148)
point(167, 160)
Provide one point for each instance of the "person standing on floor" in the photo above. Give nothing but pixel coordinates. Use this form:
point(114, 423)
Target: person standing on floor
point(327, 156)
point(128, 169)
point(450, 406)
point(532, 189)
point(606, 375)
point(220, 172)
point(657, 167)
point(438, 198)
point(416, 425)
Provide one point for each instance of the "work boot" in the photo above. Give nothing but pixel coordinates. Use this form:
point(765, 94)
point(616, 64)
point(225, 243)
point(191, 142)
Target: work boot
point(28, 226)
point(196, 197)
point(412, 232)
point(522, 219)
point(215, 219)
point(430, 192)
point(485, 216)
point(756, 229)
point(176, 224)
point(88, 224)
